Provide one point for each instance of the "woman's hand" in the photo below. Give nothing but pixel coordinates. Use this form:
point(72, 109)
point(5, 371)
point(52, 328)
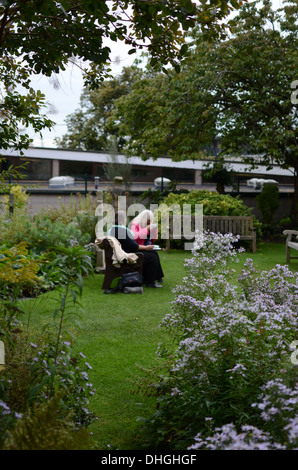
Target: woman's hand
point(146, 247)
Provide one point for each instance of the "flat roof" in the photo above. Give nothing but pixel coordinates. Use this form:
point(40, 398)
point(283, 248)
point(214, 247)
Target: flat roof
point(164, 162)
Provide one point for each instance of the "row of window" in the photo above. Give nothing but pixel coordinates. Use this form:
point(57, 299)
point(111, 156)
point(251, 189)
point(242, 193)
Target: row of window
point(41, 169)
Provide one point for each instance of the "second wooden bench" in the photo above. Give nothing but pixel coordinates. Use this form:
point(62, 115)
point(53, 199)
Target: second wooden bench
point(237, 225)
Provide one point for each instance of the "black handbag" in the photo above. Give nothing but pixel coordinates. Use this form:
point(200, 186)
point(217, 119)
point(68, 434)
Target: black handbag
point(133, 279)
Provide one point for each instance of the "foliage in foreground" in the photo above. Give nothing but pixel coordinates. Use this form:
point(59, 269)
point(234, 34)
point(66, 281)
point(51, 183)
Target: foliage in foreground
point(44, 428)
point(42, 377)
point(230, 382)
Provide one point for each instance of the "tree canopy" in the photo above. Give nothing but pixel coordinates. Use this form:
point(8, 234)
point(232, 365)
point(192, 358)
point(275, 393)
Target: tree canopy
point(236, 91)
point(47, 33)
point(41, 36)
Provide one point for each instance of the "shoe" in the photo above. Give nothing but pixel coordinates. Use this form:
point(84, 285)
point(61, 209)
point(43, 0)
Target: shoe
point(154, 284)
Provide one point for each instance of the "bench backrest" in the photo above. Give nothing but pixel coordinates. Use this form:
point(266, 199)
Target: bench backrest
point(238, 225)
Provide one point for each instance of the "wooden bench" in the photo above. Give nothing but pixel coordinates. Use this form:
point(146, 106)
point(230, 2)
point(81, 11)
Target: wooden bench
point(112, 272)
point(290, 243)
point(237, 225)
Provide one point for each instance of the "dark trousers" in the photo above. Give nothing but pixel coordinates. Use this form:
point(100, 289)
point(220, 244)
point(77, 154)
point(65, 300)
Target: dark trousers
point(152, 270)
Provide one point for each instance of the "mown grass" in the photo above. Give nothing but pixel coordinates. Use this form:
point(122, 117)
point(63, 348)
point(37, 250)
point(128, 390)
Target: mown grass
point(119, 336)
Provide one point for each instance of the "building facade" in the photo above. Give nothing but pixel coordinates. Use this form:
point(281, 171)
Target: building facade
point(42, 164)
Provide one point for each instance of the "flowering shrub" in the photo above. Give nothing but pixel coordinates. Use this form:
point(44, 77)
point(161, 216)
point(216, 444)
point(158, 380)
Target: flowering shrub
point(227, 438)
point(277, 404)
point(52, 370)
point(231, 339)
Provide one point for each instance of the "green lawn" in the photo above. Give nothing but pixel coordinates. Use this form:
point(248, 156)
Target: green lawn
point(119, 337)
point(268, 255)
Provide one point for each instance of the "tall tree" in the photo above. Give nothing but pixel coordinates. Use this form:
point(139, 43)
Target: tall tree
point(236, 91)
point(169, 114)
point(253, 95)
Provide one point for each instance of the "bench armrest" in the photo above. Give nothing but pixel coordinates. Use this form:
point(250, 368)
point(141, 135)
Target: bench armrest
point(290, 233)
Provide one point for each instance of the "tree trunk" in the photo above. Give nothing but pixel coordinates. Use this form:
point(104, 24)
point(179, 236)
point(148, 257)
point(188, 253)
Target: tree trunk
point(220, 187)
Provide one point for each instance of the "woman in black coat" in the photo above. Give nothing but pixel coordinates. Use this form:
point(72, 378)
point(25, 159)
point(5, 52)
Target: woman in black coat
point(152, 270)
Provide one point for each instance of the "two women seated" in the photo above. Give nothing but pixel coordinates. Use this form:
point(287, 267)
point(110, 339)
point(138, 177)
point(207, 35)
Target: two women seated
point(141, 237)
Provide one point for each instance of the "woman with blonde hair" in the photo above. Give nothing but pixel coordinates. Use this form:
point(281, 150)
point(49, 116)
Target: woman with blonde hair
point(145, 233)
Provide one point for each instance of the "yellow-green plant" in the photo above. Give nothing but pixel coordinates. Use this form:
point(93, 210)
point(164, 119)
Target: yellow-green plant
point(16, 267)
point(19, 197)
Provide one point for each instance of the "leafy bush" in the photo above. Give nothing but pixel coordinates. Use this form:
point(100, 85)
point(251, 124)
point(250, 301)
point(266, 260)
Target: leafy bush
point(213, 202)
point(51, 228)
point(229, 359)
point(18, 270)
point(61, 265)
point(268, 202)
point(86, 222)
point(41, 233)
point(54, 369)
point(39, 371)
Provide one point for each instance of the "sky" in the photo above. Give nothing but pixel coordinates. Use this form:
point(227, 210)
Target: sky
point(63, 91)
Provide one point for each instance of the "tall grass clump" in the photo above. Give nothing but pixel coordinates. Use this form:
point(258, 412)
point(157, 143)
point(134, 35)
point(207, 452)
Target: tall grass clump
point(228, 380)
